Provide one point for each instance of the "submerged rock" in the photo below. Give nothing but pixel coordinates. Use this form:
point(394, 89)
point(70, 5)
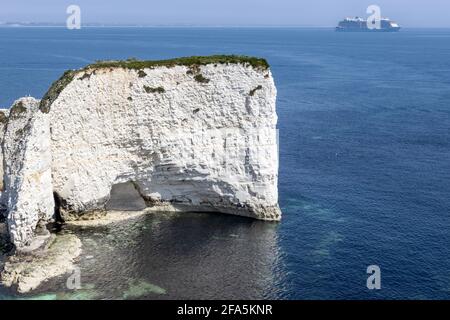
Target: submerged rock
point(140, 289)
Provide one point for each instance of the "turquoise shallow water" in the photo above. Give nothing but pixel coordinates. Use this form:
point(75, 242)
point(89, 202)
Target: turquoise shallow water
point(364, 168)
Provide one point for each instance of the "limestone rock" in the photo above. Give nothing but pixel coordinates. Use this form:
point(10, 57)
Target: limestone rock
point(28, 194)
point(193, 134)
point(3, 120)
point(27, 272)
point(189, 138)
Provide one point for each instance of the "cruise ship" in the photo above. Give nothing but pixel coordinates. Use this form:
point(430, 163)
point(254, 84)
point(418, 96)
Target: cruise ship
point(359, 24)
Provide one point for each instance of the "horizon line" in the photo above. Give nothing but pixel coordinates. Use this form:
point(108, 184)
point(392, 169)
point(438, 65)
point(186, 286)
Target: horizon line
point(120, 25)
point(184, 25)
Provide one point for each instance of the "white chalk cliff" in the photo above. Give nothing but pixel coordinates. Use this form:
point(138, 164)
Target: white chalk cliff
point(194, 134)
point(28, 194)
point(3, 120)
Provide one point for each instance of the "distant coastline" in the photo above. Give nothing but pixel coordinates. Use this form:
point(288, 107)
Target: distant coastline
point(108, 25)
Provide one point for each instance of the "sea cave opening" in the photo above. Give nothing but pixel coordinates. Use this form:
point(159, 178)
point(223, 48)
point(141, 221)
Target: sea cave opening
point(125, 197)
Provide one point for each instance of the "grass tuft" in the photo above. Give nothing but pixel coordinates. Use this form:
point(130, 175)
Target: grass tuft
point(200, 78)
point(17, 109)
point(154, 90)
point(56, 88)
point(257, 63)
point(3, 118)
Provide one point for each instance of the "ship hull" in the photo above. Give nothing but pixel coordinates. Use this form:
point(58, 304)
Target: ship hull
point(338, 29)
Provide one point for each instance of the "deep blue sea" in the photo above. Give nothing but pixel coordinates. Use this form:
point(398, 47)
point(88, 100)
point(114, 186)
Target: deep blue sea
point(364, 122)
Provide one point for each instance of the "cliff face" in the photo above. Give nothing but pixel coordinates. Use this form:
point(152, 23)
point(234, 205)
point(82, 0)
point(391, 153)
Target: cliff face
point(3, 120)
point(28, 194)
point(187, 136)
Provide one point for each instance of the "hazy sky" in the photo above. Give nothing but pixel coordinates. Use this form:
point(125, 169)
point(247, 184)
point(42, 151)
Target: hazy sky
point(412, 13)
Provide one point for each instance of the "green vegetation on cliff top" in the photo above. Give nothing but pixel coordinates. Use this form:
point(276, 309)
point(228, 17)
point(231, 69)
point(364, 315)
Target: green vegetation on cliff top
point(59, 85)
point(258, 63)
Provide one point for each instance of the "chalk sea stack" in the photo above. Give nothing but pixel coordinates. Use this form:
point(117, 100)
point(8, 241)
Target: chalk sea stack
point(193, 134)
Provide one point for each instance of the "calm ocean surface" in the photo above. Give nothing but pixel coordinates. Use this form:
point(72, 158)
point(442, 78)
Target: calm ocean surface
point(364, 179)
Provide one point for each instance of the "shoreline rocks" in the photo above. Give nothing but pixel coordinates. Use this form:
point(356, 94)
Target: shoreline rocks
point(27, 271)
